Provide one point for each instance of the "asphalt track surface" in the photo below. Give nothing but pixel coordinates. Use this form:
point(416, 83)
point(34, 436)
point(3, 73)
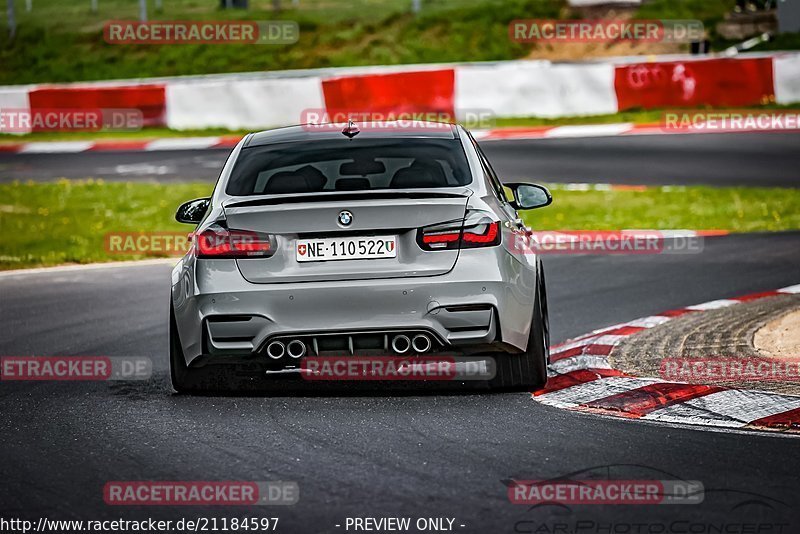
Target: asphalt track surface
point(764, 159)
point(381, 454)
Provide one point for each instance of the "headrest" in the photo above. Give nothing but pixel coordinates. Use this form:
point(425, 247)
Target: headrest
point(352, 184)
point(362, 167)
point(283, 182)
point(306, 179)
point(419, 175)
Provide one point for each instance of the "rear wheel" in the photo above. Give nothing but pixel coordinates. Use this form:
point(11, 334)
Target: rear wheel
point(528, 370)
point(545, 313)
point(184, 380)
point(219, 378)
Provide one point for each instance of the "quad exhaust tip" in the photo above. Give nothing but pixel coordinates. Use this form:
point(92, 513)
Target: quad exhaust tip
point(296, 348)
point(401, 344)
point(421, 343)
point(276, 350)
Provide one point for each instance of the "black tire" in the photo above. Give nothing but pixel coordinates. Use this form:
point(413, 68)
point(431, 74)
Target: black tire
point(528, 371)
point(209, 379)
point(545, 312)
point(183, 378)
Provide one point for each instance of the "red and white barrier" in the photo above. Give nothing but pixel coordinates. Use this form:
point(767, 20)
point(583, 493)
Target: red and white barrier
point(148, 98)
point(536, 89)
point(428, 92)
point(786, 73)
point(16, 98)
point(501, 89)
point(707, 82)
point(240, 103)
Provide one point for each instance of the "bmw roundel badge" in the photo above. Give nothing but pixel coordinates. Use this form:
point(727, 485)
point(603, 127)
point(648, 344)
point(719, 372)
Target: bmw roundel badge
point(345, 218)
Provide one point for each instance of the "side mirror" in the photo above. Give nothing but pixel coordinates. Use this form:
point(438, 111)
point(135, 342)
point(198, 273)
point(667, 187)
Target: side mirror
point(192, 212)
point(529, 196)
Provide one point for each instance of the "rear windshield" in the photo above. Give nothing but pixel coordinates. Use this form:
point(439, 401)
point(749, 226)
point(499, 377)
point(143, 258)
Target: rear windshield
point(349, 165)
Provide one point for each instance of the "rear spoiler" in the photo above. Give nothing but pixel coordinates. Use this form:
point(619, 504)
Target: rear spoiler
point(267, 200)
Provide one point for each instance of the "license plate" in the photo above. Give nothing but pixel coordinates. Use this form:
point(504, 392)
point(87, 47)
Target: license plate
point(346, 248)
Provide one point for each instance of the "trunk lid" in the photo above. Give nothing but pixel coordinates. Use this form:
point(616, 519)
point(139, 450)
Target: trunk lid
point(383, 214)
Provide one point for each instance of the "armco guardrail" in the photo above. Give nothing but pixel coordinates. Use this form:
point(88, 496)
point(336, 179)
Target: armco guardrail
point(503, 89)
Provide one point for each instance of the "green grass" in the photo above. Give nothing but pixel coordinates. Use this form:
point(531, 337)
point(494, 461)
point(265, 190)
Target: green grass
point(68, 221)
point(710, 12)
point(636, 116)
point(736, 209)
point(62, 41)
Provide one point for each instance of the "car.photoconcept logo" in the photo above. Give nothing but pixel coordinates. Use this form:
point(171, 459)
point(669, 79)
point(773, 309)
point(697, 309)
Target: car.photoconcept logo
point(345, 218)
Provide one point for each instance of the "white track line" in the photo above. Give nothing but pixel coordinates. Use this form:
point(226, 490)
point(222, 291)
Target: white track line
point(87, 267)
point(188, 143)
point(589, 130)
point(52, 147)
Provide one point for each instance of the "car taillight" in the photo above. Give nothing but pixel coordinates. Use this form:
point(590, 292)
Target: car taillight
point(477, 230)
point(218, 242)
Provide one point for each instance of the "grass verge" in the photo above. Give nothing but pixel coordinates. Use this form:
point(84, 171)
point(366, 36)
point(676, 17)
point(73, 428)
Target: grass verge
point(736, 209)
point(63, 41)
point(60, 41)
point(68, 221)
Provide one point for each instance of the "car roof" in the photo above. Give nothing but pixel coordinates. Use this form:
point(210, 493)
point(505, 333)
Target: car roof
point(367, 130)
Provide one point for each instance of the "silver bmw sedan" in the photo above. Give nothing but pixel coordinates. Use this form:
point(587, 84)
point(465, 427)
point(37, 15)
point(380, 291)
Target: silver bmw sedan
point(376, 239)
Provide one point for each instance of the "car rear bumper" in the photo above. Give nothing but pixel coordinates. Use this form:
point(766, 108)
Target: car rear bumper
point(218, 312)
